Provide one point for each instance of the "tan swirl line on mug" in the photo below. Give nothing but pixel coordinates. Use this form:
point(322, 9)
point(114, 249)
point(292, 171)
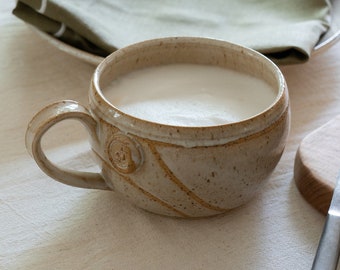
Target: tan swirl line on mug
point(189, 192)
point(152, 197)
point(178, 182)
point(143, 191)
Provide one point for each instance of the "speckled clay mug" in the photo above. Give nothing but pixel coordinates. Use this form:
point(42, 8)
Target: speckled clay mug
point(173, 170)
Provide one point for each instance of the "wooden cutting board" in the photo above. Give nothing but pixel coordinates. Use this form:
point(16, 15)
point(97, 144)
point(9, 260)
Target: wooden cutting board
point(317, 165)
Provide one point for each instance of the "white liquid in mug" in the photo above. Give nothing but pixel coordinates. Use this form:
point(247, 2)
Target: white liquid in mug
point(190, 95)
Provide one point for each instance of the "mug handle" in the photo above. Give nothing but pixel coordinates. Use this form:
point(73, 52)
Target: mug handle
point(43, 121)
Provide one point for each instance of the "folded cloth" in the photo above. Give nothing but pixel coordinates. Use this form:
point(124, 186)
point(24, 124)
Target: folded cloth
point(286, 31)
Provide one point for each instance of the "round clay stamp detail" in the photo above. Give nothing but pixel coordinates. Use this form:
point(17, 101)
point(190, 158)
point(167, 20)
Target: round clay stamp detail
point(125, 153)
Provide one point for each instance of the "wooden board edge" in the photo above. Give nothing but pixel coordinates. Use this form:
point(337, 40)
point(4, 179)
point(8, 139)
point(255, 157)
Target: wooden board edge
point(316, 193)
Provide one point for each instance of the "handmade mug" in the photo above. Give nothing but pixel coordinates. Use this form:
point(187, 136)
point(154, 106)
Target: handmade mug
point(173, 170)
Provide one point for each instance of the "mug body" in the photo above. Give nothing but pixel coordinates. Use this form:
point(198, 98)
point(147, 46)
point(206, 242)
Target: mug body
point(188, 171)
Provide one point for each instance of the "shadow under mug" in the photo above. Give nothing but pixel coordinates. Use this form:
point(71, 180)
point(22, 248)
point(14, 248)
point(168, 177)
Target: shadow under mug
point(173, 170)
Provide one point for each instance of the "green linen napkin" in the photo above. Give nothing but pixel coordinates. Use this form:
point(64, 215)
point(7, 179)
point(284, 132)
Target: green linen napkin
point(285, 30)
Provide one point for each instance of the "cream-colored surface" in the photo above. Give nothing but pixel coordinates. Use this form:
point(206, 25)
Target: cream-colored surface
point(48, 225)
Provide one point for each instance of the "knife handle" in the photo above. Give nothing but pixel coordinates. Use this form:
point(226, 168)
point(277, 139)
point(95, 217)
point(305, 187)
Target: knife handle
point(327, 254)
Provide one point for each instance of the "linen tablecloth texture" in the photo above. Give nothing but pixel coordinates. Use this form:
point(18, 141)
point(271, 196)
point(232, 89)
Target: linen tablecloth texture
point(286, 31)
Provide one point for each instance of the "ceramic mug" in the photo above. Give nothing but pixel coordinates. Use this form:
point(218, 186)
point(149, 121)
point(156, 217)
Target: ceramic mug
point(173, 170)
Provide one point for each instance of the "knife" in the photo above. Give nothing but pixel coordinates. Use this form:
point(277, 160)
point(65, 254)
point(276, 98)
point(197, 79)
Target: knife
point(327, 254)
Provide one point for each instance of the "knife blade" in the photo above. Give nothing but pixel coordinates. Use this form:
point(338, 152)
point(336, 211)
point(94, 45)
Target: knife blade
point(327, 254)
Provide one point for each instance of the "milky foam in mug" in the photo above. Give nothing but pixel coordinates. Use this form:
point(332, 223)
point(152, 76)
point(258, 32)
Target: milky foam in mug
point(190, 95)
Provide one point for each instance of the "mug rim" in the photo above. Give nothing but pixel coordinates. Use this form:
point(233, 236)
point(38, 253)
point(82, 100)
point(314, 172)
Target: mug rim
point(107, 110)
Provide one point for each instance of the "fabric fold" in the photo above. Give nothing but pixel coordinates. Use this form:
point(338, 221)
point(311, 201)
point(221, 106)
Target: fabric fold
point(286, 31)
